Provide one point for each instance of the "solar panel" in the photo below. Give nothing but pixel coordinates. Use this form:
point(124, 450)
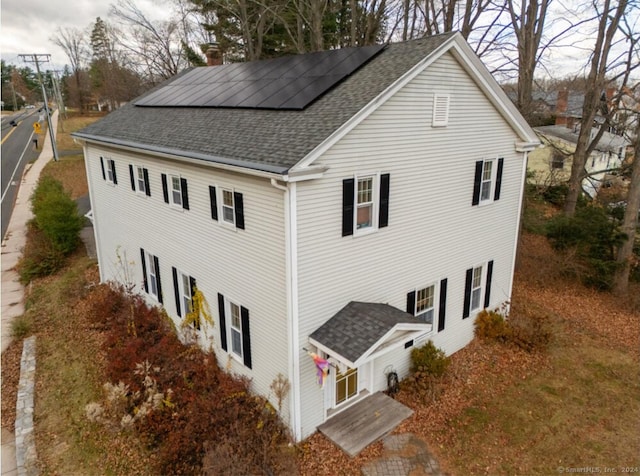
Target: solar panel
point(291, 82)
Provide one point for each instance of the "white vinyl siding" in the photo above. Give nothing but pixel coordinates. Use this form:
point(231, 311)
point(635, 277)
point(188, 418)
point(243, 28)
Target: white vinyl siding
point(432, 173)
point(249, 267)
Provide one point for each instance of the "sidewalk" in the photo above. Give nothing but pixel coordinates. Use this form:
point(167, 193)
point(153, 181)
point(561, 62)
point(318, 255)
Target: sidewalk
point(12, 292)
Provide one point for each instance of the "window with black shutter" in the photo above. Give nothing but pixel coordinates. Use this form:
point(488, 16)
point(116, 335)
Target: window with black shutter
point(362, 197)
point(487, 181)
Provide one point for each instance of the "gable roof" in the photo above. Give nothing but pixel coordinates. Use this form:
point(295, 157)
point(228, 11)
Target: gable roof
point(274, 141)
point(360, 328)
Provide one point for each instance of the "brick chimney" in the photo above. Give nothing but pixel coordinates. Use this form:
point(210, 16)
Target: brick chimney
point(561, 107)
point(213, 54)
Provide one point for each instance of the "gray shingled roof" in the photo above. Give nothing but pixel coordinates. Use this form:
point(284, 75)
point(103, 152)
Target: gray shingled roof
point(608, 143)
point(359, 325)
point(269, 140)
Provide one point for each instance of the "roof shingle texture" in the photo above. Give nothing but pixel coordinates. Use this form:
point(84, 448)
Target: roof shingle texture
point(271, 140)
point(359, 325)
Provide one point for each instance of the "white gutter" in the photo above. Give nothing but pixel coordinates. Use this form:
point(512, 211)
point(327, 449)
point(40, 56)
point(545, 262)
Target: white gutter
point(291, 266)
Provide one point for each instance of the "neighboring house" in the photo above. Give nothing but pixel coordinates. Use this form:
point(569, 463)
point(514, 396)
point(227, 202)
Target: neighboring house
point(351, 203)
point(552, 164)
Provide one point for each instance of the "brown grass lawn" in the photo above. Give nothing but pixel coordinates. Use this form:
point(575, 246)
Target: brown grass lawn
point(72, 123)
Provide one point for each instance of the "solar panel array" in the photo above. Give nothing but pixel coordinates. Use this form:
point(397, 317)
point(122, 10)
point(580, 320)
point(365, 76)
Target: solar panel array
point(291, 82)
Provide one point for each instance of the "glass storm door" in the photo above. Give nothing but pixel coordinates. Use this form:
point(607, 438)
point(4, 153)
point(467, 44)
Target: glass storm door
point(346, 385)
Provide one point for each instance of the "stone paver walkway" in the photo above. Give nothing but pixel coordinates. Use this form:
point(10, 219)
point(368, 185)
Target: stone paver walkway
point(404, 455)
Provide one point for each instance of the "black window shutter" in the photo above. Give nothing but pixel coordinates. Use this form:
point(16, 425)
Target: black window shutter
point(165, 189)
point(239, 209)
point(443, 304)
point(147, 190)
point(192, 291)
point(104, 176)
point(246, 336)
point(156, 266)
point(214, 203)
point(496, 195)
point(487, 289)
point(133, 180)
point(476, 183)
point(144, 270)
point(185, 193)
point(176, 290)
point(467, 294)
point(383, 215)
point(113, 169)
point(347, 206)
point(411, 303)
point(223, 322)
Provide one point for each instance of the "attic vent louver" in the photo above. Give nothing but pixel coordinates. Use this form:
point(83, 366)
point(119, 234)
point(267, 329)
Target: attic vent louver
point(440, 110)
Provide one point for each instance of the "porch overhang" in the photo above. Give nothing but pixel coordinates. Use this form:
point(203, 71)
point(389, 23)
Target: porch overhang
point(363, 331)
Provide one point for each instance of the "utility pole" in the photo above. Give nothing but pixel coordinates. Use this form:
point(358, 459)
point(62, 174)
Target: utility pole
point(56, 88)
point(36, 58)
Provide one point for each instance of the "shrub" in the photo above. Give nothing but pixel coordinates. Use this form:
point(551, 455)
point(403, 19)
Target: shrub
point(429, 360)
point(20, 327)
point(594, 235)
point(39, 256)
point(555, 194)
point(527, 328)
point(210, 413)
point(490, 325)
point(56, 214)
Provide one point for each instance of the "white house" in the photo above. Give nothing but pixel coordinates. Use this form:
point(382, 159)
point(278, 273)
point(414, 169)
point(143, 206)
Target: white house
point(351, 203)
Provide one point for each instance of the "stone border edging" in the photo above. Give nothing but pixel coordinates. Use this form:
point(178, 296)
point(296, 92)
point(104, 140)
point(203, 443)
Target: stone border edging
point(26, 457)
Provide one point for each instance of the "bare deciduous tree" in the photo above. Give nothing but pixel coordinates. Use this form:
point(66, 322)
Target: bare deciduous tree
point(74, 44)
point(608, 18)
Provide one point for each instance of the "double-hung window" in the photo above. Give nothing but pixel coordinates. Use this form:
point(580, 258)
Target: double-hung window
point(488, 181)
point(236, 329)
point(139, 179)
point(175, 192)
point(429, 304)
point(108, 167)
point(425, 303)
point(228, 208)
point(183, 288)
point(151, 275)
point(235, 335)
point(231, 206)
point(477, 285)
point(365, 203)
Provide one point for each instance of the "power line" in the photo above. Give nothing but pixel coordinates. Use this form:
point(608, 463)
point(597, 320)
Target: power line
point(36, 58)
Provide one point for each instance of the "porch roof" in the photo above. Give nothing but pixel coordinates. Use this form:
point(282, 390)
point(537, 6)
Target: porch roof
point(360, 329)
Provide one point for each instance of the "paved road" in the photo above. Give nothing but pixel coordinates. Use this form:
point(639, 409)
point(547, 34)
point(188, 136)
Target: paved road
point(17, 151)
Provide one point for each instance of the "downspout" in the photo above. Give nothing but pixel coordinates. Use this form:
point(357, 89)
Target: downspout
point(291, 266)
point(94, 222)
point(523, 186)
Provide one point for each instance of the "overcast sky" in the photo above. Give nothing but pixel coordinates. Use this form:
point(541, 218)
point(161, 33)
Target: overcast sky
point(28, 25)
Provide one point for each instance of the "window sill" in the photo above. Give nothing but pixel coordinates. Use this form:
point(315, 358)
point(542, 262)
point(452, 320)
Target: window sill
point(364, 232)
